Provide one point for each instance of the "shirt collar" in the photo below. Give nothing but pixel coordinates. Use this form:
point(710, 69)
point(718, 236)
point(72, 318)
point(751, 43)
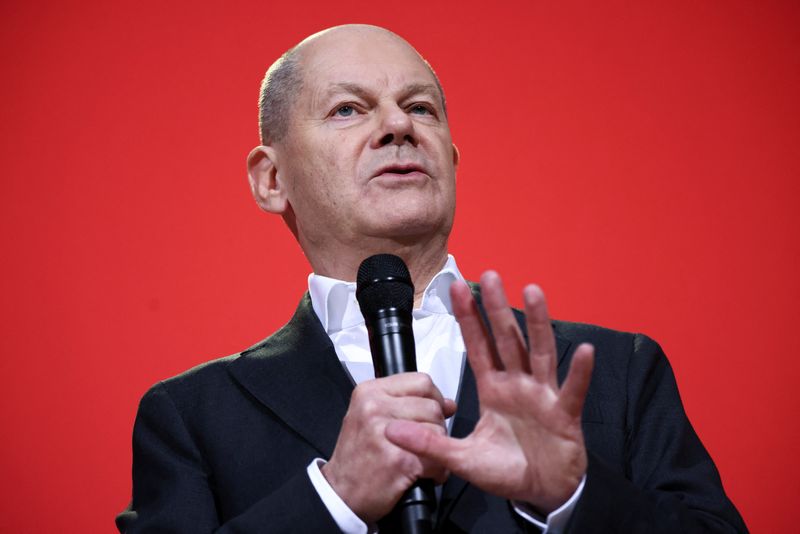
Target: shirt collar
point(334, 301)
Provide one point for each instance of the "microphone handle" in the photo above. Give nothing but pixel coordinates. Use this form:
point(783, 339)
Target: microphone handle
point(416, 508)
point(391, 340)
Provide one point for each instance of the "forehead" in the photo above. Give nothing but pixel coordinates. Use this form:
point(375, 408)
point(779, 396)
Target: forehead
point(372, 59)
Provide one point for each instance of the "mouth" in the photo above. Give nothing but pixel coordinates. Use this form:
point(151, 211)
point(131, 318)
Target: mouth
point(400, 169)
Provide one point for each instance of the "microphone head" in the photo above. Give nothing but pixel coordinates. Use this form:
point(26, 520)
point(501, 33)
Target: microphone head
point(383, 281)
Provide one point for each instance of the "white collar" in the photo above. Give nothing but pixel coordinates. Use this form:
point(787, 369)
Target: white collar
point(334, 301)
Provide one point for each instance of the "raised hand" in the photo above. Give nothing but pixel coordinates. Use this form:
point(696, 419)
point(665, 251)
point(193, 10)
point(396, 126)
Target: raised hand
point(366, 470)
point(528, 444)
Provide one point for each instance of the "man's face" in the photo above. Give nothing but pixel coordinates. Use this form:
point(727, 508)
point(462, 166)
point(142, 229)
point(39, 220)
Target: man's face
point(368, 152)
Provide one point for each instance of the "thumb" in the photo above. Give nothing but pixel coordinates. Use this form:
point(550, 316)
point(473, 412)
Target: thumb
point(424, 442)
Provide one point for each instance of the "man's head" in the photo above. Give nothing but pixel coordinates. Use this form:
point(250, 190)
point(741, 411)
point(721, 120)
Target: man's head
point(356, 151)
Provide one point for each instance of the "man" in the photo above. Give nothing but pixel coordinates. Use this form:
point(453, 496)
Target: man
point(357, 158)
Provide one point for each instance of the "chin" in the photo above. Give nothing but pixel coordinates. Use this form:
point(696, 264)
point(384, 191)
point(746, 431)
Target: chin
point(407, 216)
point(410, 227)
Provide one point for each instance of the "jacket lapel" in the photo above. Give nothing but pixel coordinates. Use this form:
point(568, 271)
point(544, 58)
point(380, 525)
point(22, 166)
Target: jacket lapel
point(466, 418)
point(296, 374)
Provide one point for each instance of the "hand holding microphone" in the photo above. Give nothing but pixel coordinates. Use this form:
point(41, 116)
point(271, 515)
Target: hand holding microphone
point(366, 470)
point(385, 294)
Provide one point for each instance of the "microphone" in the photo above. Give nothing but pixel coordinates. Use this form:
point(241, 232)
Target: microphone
point(385, 295)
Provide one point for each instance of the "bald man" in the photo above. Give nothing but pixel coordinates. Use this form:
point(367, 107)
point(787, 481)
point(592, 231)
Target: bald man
point(297, 435)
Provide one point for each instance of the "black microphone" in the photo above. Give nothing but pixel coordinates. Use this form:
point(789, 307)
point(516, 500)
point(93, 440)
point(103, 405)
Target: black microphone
point(385, 295)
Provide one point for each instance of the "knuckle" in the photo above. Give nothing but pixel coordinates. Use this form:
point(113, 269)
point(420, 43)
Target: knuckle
point(358, 392)
point(423, 380)
point(370, 407)
point(433, 411)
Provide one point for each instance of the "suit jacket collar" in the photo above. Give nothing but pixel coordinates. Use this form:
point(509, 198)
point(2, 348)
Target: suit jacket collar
point(296, 374)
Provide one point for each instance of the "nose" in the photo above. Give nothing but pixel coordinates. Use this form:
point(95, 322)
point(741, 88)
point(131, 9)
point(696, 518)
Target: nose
point(395, 127)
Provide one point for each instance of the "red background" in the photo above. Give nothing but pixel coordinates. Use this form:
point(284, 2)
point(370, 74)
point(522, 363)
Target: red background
point(638, 160)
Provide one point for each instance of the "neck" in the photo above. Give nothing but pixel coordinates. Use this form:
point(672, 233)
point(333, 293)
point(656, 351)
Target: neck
point(424, 260)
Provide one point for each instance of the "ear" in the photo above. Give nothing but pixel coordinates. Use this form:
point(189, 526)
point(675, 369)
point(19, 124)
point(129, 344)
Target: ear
point(267, 188)
point(456, 156)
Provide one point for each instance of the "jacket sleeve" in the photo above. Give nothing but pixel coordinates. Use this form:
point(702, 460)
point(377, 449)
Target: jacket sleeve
point(173, 489)
point(668, 482)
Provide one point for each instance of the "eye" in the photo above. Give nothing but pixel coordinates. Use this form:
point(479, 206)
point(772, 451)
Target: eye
point(420, 109)
point(345, 111)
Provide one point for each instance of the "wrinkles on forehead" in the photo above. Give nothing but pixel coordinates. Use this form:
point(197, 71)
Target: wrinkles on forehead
point(331, 61)
point(364, 92)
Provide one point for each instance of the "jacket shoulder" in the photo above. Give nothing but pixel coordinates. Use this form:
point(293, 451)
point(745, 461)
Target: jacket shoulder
point(605, 338)
point(212, 371)
point(591, 333)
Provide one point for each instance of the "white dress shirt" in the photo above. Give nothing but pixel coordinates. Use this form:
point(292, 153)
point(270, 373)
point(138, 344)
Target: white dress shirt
point(440, 353)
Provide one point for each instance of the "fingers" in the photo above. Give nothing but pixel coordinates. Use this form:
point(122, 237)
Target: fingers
point(506, 352)
point(426, 443)
point(417, 409)
point(542, 352)
point(573, 391)
point(476, 339)
point(450, 408)
point(407, 385)
point(508, 339)
point(368, 471)
point(428, 467)
point(411, 396)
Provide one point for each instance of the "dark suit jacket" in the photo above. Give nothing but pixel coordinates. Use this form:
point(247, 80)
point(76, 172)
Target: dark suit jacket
point(224, 447)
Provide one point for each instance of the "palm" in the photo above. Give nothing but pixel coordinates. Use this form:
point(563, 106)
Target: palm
point(528, 444)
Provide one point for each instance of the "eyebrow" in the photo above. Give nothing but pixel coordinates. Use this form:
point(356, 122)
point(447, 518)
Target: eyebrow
point(345, 87)
point(362, 92)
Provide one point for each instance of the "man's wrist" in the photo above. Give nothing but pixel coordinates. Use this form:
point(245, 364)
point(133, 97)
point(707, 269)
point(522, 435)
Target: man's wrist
point(556, 521)
point(345, 518)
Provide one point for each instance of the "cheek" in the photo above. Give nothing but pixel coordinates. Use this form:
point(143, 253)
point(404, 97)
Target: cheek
point(320, 183)
point(333, 154)
point(326, 170)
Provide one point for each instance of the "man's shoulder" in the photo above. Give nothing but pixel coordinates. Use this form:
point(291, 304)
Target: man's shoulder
point(196, 392)
point(619, 355)
point(210, 375)
point(591, 333)
point(208, 371)
point(212, 371)
point(577, 332)
point(192, 385)
point(603, 337)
